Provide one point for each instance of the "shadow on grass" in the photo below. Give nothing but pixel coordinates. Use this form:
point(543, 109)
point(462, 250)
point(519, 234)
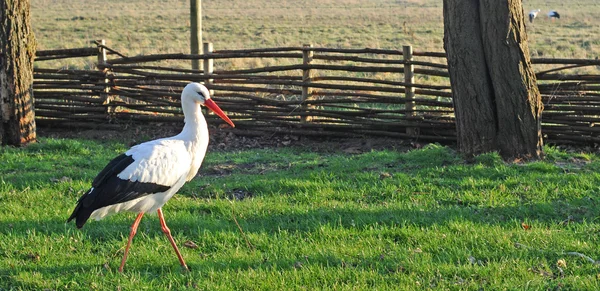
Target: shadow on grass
point(553, 212)
point(311, 221)
point(576, 210)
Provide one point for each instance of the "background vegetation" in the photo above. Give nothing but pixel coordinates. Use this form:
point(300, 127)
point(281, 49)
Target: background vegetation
point(162, 26)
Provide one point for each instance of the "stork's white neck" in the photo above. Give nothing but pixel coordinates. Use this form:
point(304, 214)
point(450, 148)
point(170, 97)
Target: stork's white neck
point(195, 124)
point(194, 134)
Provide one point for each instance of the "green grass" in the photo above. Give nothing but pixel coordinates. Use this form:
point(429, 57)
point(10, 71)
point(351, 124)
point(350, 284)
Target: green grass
point(385, 219)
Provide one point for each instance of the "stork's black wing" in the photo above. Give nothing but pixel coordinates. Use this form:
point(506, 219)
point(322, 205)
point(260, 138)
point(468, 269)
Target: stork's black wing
point(108, 189)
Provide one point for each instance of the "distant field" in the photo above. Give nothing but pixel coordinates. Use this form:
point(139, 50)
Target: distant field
point(144, 27)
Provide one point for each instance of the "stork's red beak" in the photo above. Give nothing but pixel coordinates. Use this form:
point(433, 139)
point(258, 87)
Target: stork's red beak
point(213, 106)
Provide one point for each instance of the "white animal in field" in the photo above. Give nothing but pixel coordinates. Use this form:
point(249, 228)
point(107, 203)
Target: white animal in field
point(533, 14)
point(145, 177)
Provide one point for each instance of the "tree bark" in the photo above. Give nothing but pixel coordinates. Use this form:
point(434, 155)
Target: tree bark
point(496, 100)
point(17, 51)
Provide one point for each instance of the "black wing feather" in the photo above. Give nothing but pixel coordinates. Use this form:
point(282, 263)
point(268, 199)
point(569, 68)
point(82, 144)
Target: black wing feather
point(114, 167)
point(108, 189)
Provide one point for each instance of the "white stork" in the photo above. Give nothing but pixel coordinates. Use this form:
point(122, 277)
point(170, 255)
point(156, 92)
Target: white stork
point(533, 14)
point(145, 177)
point(553, 14)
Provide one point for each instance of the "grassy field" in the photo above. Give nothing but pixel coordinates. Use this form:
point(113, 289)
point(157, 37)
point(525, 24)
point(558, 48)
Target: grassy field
point(315, 219)
point(162, 26)
point(381, 219)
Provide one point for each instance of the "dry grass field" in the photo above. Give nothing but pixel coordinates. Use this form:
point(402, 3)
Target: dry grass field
point(162, 26)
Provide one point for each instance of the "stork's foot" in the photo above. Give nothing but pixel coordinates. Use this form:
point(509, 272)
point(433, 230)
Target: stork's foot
point(185, 269)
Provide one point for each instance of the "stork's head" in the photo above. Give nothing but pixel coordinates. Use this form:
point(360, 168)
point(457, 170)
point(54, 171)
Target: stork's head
point(200, 94)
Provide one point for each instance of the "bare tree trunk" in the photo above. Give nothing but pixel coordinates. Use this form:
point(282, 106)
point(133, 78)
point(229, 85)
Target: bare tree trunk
point(17, 51)
point(496, 99)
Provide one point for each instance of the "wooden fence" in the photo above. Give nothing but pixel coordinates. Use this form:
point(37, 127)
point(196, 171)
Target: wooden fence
point(298, 90)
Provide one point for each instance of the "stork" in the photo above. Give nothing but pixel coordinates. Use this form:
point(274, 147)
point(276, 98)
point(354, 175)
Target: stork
point(533, 14)
point(145, 177)
point(553, 14)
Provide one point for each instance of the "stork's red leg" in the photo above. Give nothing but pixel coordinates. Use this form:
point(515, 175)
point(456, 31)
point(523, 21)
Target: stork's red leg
point(167, 231)
point(131, 235)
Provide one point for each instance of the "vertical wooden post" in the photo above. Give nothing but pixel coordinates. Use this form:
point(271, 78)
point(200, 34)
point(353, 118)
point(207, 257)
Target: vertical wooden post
point(101, 51)
point(196, 31)
point(307, 57)
point(208, 63)
point(208, 69)
point(106, 90)
point(409, 93)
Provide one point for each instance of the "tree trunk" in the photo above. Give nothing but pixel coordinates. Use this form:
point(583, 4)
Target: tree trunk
point(496, 100)
point(17, 51)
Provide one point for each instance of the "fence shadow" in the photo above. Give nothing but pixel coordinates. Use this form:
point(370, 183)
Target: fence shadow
point(550, 213)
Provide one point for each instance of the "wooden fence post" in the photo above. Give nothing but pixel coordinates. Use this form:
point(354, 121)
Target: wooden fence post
point(195, 31)
point(208, 63)
point(307, 57)
point(105, 95)
point(409, 93)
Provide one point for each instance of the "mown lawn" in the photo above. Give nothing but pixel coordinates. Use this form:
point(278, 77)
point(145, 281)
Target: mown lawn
point(386, 219)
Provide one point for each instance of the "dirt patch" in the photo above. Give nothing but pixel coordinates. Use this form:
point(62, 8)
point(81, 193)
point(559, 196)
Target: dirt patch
point(225, 139)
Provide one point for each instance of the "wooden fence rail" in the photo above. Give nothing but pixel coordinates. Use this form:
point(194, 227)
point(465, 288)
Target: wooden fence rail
point(304, 90)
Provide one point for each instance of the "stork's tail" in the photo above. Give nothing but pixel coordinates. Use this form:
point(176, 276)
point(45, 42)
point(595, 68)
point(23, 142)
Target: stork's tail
point(81, 214)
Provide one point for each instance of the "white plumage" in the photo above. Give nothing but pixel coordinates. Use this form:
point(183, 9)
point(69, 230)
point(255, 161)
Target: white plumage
point(533, 14)
point(145, 177)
